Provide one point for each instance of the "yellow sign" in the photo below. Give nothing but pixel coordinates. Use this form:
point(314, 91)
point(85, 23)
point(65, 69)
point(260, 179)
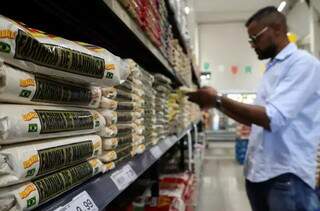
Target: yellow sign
point(26, 192)
point(29, 116)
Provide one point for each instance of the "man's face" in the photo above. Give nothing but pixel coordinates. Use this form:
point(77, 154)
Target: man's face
point(262, 40)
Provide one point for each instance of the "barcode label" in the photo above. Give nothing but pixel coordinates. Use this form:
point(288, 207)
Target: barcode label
point(156, 152)
point(123, 177)
point(82, 202)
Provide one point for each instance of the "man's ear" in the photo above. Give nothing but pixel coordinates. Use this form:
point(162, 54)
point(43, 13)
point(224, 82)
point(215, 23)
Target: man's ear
point(277, 29)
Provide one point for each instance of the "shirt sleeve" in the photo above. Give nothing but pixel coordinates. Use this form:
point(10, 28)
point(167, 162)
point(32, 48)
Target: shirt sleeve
point(291, 95)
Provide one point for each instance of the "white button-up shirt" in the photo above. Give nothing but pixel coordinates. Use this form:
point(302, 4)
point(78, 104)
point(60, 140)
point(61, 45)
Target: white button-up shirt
point(290, 92)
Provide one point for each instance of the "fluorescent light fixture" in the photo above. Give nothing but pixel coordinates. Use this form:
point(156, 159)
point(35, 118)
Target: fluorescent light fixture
point(187, 10)
point(282, 6)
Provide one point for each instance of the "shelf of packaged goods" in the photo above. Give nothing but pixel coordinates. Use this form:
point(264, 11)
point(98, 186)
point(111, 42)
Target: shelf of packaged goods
point(102, 189)
point(115, 6)
point(110, 27)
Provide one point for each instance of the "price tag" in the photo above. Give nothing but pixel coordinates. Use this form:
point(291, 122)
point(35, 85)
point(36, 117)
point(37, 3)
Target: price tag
point(82, 202)
point(156, 152)
point(123, 177)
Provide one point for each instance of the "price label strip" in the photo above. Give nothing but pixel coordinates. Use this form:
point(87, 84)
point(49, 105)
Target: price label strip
point(123, 177)
point(156, 152)
point(82, 202)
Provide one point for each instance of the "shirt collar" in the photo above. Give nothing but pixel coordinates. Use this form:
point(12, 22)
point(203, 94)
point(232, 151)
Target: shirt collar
point(283, 54)
point(286, 51)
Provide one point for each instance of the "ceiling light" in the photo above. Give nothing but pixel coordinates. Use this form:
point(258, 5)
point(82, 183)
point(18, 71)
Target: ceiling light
point(187, 10)
point(282, 6)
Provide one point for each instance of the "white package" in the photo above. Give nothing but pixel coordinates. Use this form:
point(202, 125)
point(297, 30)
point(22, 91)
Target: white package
point(107, 103)
point(22, 162)
point(109, 131)
point(29, 195)
point(36, 51)
point(20, 123)
point(110, 116)
point(17, 86)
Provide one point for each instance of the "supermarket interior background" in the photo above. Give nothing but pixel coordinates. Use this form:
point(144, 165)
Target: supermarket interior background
point(94, 112)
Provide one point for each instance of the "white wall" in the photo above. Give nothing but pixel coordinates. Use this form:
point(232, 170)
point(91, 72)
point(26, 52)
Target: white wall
point(298, 19)
point(315, 32)
point(227, 44)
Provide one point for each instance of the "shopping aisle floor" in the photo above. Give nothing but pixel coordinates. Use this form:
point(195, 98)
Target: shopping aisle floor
point(222, 187)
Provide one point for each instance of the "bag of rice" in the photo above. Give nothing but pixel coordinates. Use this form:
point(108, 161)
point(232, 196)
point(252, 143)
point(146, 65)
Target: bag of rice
point(35, 51)
point(114, 154)
point(118, 94)
point(22, 162)
point(119, 142)
point(107, 103)
point(20, 123)
point(109, 131)
point(29, 195)
point(110, 116)
point(17, 86)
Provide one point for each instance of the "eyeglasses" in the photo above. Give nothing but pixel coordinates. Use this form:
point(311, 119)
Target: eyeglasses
point(253, 38)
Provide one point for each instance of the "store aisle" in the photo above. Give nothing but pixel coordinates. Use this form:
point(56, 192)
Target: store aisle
point(222, 187)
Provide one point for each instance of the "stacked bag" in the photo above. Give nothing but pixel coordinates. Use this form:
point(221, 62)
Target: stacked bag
point(123, 109)
point(163, 88)
point(50, 130)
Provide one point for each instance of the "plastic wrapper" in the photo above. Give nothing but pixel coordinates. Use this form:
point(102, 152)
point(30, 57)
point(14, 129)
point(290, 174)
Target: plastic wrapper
point(35, 51)
point(108, 166)
point(107, 103)
point(118, 94)
point(29, 195)
point(111, 155)
point(17, 86)
point(162, 79)
point(109, 131)
point(22, 162)
point(20, 123)
point(125, 117)
point(110, 116)
point(119, 142)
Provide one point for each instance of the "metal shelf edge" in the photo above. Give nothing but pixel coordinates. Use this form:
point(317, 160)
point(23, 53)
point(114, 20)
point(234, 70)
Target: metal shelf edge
point(102, 189)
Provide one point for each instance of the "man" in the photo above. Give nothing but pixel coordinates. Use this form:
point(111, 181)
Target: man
point(280, 165)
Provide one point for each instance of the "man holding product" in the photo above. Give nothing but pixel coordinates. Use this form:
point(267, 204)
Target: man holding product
point(280, 166)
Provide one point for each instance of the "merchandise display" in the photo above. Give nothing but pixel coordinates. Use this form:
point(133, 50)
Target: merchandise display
point(21, 87)
point(77, 120)
point(29, 195)
point(162, 85)
point(35, 51)
point(26, 161)
point(21, 123)
point(153, 19)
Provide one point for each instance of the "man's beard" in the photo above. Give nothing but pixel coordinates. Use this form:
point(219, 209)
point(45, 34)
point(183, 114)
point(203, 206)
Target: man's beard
point(269, 52)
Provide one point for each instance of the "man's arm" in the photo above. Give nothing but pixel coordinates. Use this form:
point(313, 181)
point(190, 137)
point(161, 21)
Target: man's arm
point(245, 113)
point(241, 112)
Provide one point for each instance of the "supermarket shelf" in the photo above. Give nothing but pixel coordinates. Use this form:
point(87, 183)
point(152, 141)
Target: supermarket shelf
point(102, 189)
point(115, 6)
point(110, 27)
point(176, 28)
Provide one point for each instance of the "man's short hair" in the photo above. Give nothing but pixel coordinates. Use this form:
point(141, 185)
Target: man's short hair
point(268, 15)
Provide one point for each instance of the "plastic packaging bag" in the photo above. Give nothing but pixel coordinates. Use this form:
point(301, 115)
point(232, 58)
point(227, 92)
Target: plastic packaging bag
point(17, 86)
point(29, 195)
point(110, 116)
point(35, 51)
point(19, 123)
point(22, 162)
point(107, 103)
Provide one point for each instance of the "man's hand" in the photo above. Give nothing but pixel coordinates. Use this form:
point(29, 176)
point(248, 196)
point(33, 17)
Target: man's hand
point(205, 97)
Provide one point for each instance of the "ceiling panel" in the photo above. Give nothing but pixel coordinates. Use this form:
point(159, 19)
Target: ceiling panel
point(229, 10)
